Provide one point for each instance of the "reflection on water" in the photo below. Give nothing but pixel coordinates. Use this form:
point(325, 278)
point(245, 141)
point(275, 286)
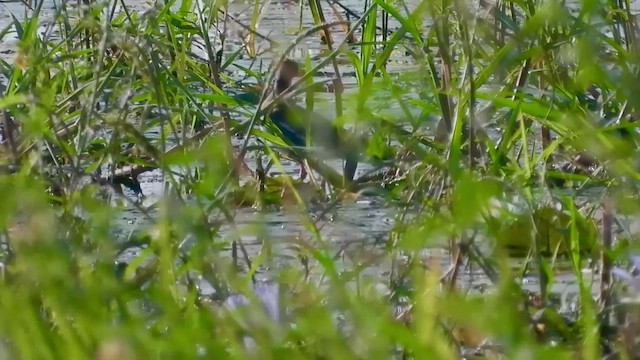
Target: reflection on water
point(355, 227)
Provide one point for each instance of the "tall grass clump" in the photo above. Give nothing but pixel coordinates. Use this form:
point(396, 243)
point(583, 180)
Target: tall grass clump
point(501, 137)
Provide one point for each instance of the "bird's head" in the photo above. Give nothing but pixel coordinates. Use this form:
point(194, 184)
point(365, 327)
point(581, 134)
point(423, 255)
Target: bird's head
point(288, 71)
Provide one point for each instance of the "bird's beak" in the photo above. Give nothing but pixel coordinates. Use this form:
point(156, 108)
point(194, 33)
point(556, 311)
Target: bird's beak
point(298, 75)
point(295, 79)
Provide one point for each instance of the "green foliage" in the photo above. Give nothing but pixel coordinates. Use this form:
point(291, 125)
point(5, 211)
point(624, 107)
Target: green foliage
point(477, 145)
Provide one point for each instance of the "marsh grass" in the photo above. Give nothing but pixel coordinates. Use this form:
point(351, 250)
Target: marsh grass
point(501, 100)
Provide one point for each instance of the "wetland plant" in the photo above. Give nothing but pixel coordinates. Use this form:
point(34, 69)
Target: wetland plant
point(501, 136)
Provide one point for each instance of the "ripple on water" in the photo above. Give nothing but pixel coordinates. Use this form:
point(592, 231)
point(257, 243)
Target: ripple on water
point(358, 225)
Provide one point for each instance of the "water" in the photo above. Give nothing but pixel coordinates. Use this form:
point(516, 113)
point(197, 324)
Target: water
point(356, 228)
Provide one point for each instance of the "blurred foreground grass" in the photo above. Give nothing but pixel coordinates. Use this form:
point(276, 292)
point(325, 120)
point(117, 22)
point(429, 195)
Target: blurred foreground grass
point(516, 138)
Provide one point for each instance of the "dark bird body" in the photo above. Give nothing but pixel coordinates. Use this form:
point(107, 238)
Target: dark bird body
point(296, 123)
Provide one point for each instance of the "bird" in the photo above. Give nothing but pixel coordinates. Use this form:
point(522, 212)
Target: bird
point(296, 123)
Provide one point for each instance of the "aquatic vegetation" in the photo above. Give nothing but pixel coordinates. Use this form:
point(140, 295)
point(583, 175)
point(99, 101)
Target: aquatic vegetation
point(147, 188)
